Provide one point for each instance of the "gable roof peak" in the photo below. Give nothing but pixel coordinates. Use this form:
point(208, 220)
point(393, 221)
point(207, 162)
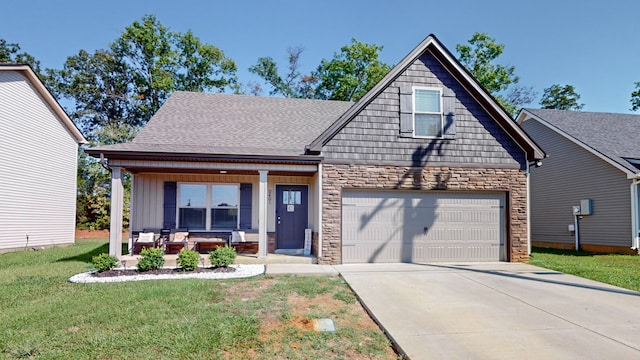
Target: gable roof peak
point(432, 45)
point(47, 97)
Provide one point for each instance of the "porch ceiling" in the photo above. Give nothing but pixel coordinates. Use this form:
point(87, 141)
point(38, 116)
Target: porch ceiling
point(140, 170)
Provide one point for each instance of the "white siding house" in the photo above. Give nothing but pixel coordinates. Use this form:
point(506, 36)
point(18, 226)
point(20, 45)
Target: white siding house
point(38, 164)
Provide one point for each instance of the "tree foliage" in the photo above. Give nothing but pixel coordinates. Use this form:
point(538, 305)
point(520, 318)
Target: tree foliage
point(479, 57)
point(125, 84)
point(10, 53)
point(351, 73)
point(114, 92)
point(347, 76)
point(560, 97)
point(292, 85)
point(635, 98)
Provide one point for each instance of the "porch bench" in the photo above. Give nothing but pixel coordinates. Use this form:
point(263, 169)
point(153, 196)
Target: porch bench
point(245, 242)
point(204, 242)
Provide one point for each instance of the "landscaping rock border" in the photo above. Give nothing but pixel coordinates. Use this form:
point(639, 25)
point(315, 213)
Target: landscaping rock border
point(241, 271)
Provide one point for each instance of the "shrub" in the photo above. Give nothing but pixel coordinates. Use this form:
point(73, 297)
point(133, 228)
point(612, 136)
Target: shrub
point(222, 256)
point(151, 259)
point(188, 259)
point(104, 262)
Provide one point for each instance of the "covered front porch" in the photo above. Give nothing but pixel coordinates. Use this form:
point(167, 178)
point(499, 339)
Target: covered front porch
point(276, 204)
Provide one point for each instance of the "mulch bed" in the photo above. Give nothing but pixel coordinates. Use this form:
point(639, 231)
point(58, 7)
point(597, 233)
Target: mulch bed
point(163, 271)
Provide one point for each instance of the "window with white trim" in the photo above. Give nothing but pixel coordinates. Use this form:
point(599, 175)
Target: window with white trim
point(206, 206)
point(224, 206)
point(427, 112)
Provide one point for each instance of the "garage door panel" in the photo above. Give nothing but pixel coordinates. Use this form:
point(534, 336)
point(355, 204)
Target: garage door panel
point(381, 226)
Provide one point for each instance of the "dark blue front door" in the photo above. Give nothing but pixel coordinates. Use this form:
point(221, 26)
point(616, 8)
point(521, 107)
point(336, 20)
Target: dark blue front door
point(291, 216)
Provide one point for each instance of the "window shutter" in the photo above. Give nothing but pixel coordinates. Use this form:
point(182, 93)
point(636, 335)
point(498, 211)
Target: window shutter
point(449, 113)
point(406, 110)
point(245, 206)
point(169, 208)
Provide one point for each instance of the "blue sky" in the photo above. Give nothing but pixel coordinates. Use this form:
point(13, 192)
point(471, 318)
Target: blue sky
point(593, 45)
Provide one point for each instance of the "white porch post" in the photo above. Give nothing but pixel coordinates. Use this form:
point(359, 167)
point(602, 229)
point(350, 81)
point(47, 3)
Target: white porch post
point(117, 196)
point(262, 217)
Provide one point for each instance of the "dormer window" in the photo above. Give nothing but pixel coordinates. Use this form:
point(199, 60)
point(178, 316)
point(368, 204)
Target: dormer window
point(427, 112)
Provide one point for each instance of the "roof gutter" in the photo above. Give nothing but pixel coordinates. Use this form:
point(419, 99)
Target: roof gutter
point(138, 155)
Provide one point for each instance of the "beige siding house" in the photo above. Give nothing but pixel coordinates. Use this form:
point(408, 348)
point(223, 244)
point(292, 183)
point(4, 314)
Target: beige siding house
point(38, 164)
point(593, 157)
point(425, 167)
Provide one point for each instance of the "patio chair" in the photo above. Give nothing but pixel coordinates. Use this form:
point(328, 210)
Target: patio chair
point(144, 240)
point(178, 240)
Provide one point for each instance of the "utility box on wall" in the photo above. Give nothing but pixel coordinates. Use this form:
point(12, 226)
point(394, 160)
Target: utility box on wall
point(584, 208)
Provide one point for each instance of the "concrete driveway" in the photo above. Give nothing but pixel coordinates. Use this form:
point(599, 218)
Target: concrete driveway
point(497, 311)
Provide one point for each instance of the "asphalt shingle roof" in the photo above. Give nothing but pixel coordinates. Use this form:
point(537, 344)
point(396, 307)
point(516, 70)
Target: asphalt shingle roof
point(223, 124)
point(612, 135)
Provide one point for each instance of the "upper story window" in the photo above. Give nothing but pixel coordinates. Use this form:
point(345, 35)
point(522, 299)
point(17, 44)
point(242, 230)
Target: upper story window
point(427, 112)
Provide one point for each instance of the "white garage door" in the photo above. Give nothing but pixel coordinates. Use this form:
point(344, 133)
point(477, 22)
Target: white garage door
point(418, 226)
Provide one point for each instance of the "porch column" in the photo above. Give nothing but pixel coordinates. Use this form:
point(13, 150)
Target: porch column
point(117, 196)
point(262, 217)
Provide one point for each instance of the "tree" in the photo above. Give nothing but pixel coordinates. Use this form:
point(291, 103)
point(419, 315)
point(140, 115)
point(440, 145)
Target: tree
point(292, 85)
point(115, 91)
point(561, 98)
point(635, 98)
point(125, 84)
point(9, 53)
point(499, 80)
point(347, 76)
point(351, 73)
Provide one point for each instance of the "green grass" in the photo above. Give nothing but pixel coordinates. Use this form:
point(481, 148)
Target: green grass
point(44, 316)
point(618, 270)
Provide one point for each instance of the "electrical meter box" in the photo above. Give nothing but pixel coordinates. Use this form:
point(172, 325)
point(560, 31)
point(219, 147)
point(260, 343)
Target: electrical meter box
point(585, 207)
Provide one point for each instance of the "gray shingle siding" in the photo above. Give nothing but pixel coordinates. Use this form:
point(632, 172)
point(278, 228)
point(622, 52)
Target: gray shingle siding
point(570, 174)
point(373, 136)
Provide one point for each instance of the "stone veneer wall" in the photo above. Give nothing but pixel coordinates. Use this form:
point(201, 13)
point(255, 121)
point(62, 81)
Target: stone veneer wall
point(337, 177)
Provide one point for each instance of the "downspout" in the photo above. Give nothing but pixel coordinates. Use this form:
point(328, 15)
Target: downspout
point(577, 231)
point(320, 210)
point(528, 209)
point(537, 164)
point(104, 162)
point(635, 231)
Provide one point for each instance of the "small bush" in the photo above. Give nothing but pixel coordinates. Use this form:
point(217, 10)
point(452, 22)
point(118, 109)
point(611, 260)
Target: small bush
point(188, 259)
point(104, 262)
point(152, 259)
point(222, 256)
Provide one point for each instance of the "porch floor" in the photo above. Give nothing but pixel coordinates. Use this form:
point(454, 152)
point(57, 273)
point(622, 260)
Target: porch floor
point(170, 260)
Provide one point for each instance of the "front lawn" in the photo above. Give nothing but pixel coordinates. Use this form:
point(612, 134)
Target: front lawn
point(618, 270)
point(44, 316)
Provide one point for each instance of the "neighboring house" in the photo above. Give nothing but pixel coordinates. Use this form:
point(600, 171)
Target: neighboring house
point(38, 164)
point(425, 167)
point(592, 156)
